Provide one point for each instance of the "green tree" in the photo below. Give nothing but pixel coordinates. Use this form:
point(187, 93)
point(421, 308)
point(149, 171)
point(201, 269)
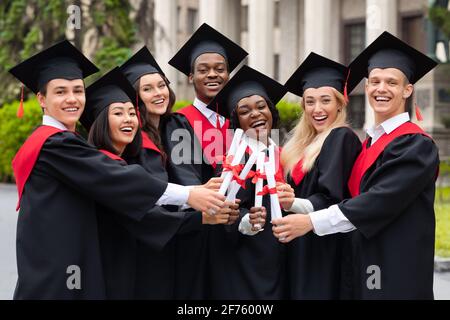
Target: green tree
point(441, 18)
point(109, 29)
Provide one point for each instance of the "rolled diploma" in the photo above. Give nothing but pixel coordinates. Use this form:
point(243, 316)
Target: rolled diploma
point(272, 157)
point(235, 186)
point(259, 183)
point(274, 203)
point(236, 160)
point(234, 145)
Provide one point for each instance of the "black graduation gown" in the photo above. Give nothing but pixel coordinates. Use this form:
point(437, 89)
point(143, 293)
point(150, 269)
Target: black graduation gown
point(136, 261)
point(155, 269)
point(394, 217)
point(246, 267)
point(57, 224)
point(191, 248)
point(317, 266)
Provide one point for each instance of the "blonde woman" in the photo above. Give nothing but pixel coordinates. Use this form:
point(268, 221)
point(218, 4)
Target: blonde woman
point(317, 160)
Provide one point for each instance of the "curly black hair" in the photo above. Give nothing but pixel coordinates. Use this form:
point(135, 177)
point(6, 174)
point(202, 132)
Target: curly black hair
point(234, 120)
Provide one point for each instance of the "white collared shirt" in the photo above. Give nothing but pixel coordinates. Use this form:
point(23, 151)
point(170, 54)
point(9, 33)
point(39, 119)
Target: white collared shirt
point(332, 220)
point(52, 122)
point(375, 132)
point(209, 114)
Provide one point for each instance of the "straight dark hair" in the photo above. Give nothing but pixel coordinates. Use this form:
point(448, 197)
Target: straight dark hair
point(147, 125)
point(99, 136)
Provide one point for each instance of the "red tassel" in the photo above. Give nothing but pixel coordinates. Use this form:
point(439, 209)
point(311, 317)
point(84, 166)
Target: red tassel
point(20, 110)
point(137, 110)
point(419, 116)
point(345, 87)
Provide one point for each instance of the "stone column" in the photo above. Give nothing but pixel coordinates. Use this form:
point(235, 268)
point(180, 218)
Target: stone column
point(223, 15)
point(322, 25)
point(381, 15)
point(260, 35)
point(165, 38)
point(291, 36)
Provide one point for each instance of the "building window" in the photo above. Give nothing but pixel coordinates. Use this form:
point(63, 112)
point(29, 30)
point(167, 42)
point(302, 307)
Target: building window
point(276, 66)
point(192, 20)
point(276, 14)
point(414, 32)
point(355, 40)
point(356, 111)
point(244, 18)
point(178, 19)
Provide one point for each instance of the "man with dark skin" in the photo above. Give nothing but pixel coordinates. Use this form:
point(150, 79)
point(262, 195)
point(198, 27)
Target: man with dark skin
point(207, 59)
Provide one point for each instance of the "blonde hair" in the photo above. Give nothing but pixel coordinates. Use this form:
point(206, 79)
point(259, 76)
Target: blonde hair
point(305, 142)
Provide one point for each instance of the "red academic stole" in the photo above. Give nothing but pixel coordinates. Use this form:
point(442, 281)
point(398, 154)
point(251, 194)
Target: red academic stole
point(193, 115)
point(111, 155)
point(297, 173)
point(25, 159)
point(147, 143)
point(368, 156)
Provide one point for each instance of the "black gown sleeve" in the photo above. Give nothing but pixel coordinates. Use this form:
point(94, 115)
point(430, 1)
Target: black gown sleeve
point(159, 226)
point(189, 171)
point(406, 167)
point(191, 221)
point(128, 190)
point(339, 151)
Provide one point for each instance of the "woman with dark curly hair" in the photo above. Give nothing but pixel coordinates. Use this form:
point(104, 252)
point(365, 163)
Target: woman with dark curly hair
point(247, 261)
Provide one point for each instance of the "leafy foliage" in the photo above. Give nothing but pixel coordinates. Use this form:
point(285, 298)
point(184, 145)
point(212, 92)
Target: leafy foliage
point(441, 18)
point(14, 131)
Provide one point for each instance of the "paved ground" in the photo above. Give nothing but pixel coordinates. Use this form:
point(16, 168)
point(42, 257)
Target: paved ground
point(8, 220)
point(8, 270)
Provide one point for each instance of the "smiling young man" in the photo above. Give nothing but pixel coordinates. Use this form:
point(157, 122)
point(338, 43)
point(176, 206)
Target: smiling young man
point(61, 179)
point(207, 58)
point(392, 183)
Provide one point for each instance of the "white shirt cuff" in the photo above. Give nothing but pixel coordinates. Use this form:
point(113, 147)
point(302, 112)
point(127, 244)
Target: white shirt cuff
point(329, 221)
point(301, 206)
point(245, 226)
point(175, 194)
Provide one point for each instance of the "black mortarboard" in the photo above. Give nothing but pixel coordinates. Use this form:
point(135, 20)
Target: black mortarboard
point(112, 87)
point(61, 61)
point(315, 72)
point(387, 51)
point(246, 82)
point(141, 63)
point(207, 40)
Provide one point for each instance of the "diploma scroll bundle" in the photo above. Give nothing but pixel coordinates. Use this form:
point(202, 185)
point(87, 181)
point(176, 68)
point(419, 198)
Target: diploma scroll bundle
point(235, 174)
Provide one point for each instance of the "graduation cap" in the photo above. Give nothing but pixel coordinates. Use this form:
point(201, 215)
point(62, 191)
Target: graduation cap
point(245, 83)
point(60, 61)
point(112, 87)
point(387, 51)
point(207, 40)
point(141, 63)
point(315, 72)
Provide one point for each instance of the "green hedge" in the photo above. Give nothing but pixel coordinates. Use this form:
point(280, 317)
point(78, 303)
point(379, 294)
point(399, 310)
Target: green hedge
point(289, 114)
point(14, 131)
